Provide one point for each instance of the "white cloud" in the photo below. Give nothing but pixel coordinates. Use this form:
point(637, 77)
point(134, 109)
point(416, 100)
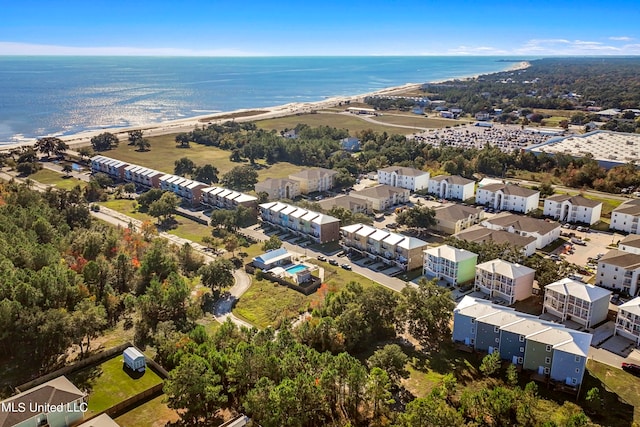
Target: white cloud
point(574, 47)
point(476, 50)
point(621, 38)
point(13, 48)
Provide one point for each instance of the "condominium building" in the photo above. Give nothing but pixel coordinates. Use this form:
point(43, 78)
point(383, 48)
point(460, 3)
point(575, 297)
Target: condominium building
point(382, 197)
point(454, 218)
point(505, 280)
point(549, 349)
point(390, 248)
point(630, 244)
point(619, 270)
point(566, 208)
point(223, 198)
point(279, 188)
point(190, 191)
point(142, 177)
point(112, 167)
point(450, 264)
point(545, 232)
point(585, 304)
point(626, 217)
point(628, 320)
point(409, 178)
point(480, 234)
point(318, 227)
point(452, 187)
point(314, 179)
point(348, 202)
point(508, 197)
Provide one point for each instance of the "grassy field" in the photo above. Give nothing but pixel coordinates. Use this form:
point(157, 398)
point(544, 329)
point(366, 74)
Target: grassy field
point(420, 121)
point(47, 176)
point(110, 384)
point(164, 153)
point(619, 389)
point(340, 121)
point(267, 304)
point(154, 413)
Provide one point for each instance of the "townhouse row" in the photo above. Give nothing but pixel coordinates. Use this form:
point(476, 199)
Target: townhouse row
point(546, 348)
point(192, 192)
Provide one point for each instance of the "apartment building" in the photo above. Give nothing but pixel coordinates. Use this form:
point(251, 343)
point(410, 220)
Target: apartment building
point(390, 248)
point(508, 281)
point(190, 191)
point(450, 264)
point(409, 178)
point(454, 218)
point(452, 187)
point(545, 232)
point(279, 188)
point(314, 179)
point(619, 270)
point(626, 217)
point(569, 299)
point(223, 198)
point(628, 320)
point(575, 209)
point(112, 167)
point(382, 197)
point(348, 202)
point(142, 177)
point(508, 197)
point(630, 244)
point(480, 234)
point(318, 227)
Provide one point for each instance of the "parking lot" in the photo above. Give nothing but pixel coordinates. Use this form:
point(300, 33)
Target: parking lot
point(596, 242)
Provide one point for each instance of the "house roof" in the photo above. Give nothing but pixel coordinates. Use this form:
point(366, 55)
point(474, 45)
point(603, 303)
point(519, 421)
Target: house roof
point(103, 420)
point(57, 391)
point(273, 256)
point(632, 240)
point(482, 234)
point(313, 173)
point(450, 253)
point(275, 183)
point(564, 339)
point(528, 327)
point(133, 353)
point(630, 207)
point(385, 236)
point(379, 191)
point(523, 223)
point(506, 268)
point(579, 290)
point(452, 179)
point(455, 212)
point(473, 307)
point(500, 318)
point(401, 170)
point(622, 259)
point(412, 243)
point(510, 189)
point(379, 235)
point(632, 306)
point(574, 200)
point(344, 201)
point(365, 230)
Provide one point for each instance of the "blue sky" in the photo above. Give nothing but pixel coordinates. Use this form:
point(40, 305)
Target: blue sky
point(326, 27)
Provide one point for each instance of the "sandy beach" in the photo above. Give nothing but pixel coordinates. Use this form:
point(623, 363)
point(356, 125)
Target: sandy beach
point(188, 124)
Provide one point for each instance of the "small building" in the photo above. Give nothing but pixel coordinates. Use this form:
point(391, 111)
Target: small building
point(314, 179)
point(506, 280)
point(569, 299)
point(619, 270)
point(134, 360)
point(628, 320)
point(279, 188)
point(566, 208)
point(271, 259)
point(383, 196)
point(545, 232)
point(508, 197)
point(38, 403)
point(453, 265)
point(626, 217)
point(409, 178)
point(452, 187)
point(454, 218)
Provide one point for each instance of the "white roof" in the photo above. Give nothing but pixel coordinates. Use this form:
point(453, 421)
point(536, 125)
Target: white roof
point(245, 198)
point(379, 235)
point(505, 268)
point(351, 228)
point(632, 307)
point(394, 239)
point(451, 253)
point(365, 231)
point(133, 352)
point(564, 339)
point(500, 318)
point(579, 290)
point(412, 243)
point(288, 210)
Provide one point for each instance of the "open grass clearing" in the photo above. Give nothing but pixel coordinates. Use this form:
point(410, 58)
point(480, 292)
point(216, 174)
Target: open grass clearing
point(619, 389)
point(341, 121)
point(164, 153)
point(47, 176)
point(153, 413)
point(109, 383)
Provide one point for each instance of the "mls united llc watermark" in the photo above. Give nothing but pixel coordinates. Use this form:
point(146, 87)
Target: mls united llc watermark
point(42, 408)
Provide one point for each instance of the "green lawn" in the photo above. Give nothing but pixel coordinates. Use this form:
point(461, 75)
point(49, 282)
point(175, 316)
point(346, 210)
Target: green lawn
point(338, 277)
point(340, 121)
point(154, 413)
point(619, 389)
point(267, 304)
point(109, 384)
point(164, 153)
point(47, 176)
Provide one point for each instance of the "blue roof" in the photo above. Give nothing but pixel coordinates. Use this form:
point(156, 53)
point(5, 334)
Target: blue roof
point(266, 257)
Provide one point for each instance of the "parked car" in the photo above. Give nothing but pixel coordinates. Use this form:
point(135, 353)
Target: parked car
point(321, 258)
point(346, 266)
point(333, 262)
point(631, 368)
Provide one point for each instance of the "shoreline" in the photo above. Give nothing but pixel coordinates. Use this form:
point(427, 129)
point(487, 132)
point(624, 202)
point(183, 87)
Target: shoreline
point(175, 126)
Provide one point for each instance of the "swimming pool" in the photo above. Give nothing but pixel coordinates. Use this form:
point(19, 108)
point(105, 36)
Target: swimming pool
point(296, 269)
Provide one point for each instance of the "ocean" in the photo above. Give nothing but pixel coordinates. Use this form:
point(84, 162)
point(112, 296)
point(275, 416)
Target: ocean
point(42, 96)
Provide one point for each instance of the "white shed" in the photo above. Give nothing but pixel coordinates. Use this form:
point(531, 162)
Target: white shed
point(134, 359)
